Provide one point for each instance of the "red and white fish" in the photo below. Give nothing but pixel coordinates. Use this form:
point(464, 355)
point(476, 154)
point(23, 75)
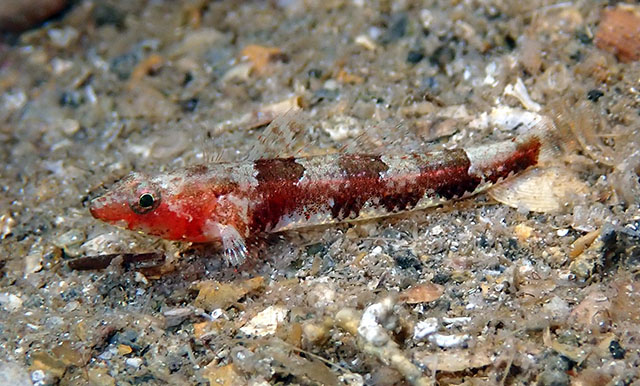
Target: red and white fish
point(230, 202)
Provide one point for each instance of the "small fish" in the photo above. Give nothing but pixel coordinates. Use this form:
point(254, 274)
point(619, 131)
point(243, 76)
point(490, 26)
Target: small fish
point(231, 202)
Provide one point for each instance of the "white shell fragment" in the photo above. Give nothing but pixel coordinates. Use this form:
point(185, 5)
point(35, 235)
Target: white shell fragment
point(425, 328)
point(507, 118)
point(376, 319)
point(366, 42)
point(519, 91)
point(448, 341)
point(266, 322)
point(542, 190)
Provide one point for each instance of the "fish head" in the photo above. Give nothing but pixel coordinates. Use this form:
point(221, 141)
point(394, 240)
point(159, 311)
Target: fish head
point(144, 204)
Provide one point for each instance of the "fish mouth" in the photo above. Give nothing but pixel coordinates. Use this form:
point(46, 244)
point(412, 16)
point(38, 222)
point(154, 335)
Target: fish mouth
point(97, 207)
point(107, 208)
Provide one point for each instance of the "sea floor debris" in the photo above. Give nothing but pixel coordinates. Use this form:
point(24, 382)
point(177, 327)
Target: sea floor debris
point(535, 282)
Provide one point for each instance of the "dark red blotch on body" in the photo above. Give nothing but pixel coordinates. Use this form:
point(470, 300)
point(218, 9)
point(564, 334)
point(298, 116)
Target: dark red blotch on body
point(359, 179)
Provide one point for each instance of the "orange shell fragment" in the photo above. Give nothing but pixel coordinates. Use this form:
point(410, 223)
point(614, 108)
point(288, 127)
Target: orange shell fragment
point(619, 32)
point(261, 56)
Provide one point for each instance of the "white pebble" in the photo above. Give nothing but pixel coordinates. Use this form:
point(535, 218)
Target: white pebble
point(62, 37)
point(37, 376)
point(10, 302)
point(448, 341)
point(425, 328)
point(437, 230)
point(134, 362)
point(366, 42)
point(266, 321)
point(375, 251)
point(457, 321)
point(14, 100)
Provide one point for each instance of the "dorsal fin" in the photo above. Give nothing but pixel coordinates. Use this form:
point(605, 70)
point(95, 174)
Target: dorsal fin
point(281, 138)
point(525, 124)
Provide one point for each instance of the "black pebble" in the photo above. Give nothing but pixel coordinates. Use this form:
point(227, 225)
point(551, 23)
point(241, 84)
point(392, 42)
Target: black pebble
point(397, 28)
point(594, 95)
point(315, 73)
point(441, 278)
point(510, 42)
point(123, 65)
point(414, 56)
point(71, 99)
point(617, 352)
point(189, 105)
point(316, 248)
point(442, 56)
point(188, 77)
point(407, 260)
point(576, 56)
point(104, 14)
point(322, 94)
point(583, 37)
point(483, 241)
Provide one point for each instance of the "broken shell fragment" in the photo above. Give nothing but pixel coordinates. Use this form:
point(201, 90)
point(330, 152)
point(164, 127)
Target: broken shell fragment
point(544, 190)
point(619, 32)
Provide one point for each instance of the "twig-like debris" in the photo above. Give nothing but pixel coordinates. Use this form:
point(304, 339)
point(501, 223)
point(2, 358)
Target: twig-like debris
point(137, 260)
point(371, 328)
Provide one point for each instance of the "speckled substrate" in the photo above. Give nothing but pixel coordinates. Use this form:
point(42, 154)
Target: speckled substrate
point(520, 296)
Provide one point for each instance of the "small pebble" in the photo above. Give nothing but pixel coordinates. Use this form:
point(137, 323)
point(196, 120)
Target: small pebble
point(594, 95)
point(331, 85)
point(397, 28)
point(70, 126)
point(105, 14)
point(415, 56)
point(425, 328)
point(617, 352)
point(71, 99)
point(315, 73)
point(134, 362)
point(71, 306)
point(426, 18)
point(265, 322)
point(366, 42)
point(437, 230)
point(37, 376)
point(448, 341)
point(314, 333)
point(442, 56)
point(10, 302)
point(63, 37)
point(14, 100)
point(6, 225)
point(456, 321)
point(189, 105)
point(584, 37)
point(72, 237)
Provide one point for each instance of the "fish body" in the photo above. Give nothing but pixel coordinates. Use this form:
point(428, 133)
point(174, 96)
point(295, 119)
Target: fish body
point(230, 202)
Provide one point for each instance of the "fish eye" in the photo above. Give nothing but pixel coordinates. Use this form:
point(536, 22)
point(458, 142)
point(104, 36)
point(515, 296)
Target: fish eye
point(146, 200)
